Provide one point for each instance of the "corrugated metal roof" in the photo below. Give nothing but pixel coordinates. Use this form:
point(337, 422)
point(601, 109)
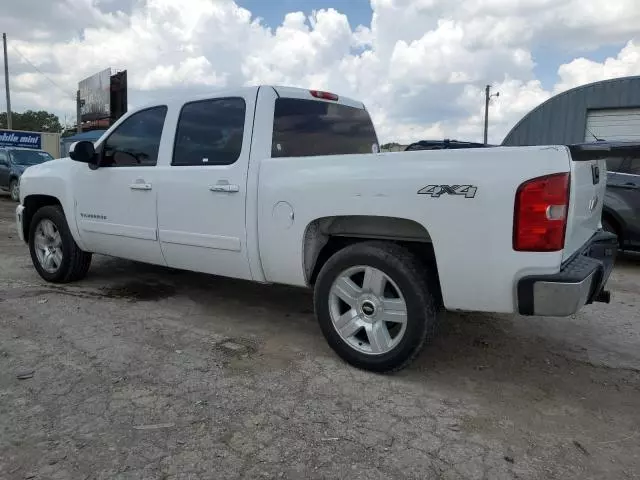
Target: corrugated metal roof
point(562, 118)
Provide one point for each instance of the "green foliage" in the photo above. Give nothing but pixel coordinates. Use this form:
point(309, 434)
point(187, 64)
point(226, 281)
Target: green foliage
point(40, 121)
point(388, 146)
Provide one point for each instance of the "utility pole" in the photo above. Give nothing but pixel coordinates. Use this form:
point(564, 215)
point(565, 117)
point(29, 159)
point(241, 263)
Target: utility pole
point(487, 98)
point(6, 80)
point(487, 95)
point(78, 112)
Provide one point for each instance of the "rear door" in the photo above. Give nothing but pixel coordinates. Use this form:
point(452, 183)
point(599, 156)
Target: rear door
point(203, 190)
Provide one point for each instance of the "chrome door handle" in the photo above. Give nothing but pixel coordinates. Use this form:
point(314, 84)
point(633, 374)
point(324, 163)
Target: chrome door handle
point(224, 187)
point(140, 186)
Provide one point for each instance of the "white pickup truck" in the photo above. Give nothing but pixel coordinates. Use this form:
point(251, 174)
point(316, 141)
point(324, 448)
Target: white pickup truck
point(285, 185)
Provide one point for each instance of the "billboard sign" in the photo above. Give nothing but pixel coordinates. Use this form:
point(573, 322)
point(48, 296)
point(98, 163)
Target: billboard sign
point(95, 96)
point(118, 95)
point(14, 138)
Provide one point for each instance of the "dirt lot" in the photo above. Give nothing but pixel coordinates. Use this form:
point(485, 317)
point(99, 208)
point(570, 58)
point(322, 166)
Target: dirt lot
point(141, 372)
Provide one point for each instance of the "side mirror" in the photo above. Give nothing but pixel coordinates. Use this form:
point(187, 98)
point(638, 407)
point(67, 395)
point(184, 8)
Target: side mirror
point(83, 151)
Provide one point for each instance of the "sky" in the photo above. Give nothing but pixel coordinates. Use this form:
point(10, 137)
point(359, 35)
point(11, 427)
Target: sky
point(420, 66)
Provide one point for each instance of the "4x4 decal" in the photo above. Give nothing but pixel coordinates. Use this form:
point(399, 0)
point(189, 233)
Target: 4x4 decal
point(435, 191)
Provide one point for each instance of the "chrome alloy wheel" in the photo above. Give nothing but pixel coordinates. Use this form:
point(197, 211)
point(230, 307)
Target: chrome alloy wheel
point(368, 310)
point(48, 246)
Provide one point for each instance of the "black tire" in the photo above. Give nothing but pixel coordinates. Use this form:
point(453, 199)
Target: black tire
point(407, 272)
point(75, 262)
point(14, 190)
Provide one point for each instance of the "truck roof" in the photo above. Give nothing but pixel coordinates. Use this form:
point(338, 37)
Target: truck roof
point(282, 91)
point(305, 94)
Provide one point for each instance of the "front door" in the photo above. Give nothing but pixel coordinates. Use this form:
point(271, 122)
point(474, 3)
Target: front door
point(202, 191)
point(116, 203)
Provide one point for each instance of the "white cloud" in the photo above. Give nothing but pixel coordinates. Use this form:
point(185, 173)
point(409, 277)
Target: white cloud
point(193, 71)
point(581, 70)
point(420, 65)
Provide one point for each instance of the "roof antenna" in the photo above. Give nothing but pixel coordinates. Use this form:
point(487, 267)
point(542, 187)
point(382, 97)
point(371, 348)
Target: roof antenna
point(592, 134)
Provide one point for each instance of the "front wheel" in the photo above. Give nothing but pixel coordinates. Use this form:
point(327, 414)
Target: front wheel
point(14, 190)
point(374, 305)
point(54, 252)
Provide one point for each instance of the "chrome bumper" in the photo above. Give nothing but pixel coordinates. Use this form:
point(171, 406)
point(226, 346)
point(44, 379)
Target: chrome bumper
point(580, 281)
point(19, 214)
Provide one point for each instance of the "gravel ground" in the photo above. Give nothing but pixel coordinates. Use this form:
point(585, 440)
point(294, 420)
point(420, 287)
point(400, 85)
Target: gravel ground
point(146, 373)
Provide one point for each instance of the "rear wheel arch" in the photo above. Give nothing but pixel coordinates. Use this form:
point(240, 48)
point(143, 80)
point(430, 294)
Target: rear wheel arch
point(326, 236)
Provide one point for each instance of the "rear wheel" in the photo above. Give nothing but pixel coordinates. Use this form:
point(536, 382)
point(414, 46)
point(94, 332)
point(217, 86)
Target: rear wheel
point(374, 305)
point(54, 252)
point(14, 190)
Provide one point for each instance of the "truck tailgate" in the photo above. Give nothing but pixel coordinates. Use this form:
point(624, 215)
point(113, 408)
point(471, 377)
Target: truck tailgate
point(587, 189)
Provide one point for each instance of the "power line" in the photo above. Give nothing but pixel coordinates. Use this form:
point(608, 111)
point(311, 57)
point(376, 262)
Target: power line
point(72, 97)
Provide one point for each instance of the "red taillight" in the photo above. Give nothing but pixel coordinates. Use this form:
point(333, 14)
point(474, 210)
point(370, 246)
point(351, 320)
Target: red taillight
point(540, 218)
point(324, 95)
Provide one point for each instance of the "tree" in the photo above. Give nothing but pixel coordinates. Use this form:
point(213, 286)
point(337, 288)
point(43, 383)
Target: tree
point(389, 146)
point(68, 132)
point(40, 121)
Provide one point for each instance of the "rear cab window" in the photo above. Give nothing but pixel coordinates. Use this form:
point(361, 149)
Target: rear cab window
point(304, 128)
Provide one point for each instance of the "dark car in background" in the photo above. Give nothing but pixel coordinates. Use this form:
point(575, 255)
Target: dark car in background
point(621, 211)
point(13, 162)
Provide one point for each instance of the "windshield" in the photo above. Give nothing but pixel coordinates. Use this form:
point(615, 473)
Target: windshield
point(29, 157)
point(304, 128)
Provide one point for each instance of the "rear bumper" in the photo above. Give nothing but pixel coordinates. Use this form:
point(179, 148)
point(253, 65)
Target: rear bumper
point(19, 215)
point(579, 282)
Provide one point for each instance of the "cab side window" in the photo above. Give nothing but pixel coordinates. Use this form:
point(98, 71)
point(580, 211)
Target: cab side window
point(210, 132)
point(633, 166)
point(4, 159)
point(614, 164)
point(136, 142)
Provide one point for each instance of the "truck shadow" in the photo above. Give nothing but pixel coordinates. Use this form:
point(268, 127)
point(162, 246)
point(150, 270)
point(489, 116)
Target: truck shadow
point(497, 349)
point(137, 281)
point(628, 259)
